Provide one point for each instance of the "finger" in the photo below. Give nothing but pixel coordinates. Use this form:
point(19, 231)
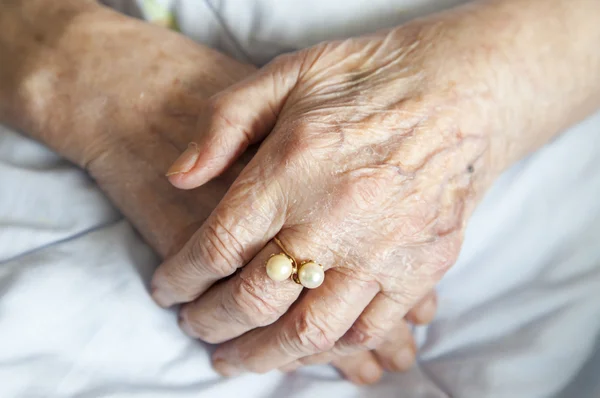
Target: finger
point(359, 368)
point(380, 317)
point(312, 325)
point(290, 367)
point(398, 352)
point(246, 301)
point(374, 326)
point(424, 312)
point(248, 217)
point(237, 117)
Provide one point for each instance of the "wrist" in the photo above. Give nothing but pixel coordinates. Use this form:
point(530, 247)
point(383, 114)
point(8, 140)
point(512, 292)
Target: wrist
point(515, 78)
point(539, 74)
point(30, 42)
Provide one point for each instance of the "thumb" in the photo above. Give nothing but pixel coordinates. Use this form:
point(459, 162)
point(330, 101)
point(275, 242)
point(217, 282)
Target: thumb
point(238, 116)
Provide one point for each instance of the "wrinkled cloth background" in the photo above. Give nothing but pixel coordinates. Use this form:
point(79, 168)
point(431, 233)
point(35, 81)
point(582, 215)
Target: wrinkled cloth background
point(519, 314)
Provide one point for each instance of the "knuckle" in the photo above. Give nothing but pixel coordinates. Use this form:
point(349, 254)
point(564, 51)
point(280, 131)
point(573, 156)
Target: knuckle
point(218, 252)
point(311, 335)
point(253, 308)
point(365, 334)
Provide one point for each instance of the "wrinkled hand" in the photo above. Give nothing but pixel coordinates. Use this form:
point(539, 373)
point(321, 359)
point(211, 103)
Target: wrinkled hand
point(128, 94)
point(373, 165)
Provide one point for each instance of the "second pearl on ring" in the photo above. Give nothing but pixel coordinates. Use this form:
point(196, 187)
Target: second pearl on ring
point(311, 275)
point(279, 267)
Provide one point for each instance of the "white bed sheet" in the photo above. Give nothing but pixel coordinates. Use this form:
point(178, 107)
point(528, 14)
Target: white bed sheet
point(519, 313)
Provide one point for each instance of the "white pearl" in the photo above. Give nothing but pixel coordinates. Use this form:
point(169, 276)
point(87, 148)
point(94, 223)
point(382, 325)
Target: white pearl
point(311, 275)
point(279, 267)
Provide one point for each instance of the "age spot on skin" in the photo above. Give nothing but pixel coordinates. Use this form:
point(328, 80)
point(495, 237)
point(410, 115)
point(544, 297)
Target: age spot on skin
point(470, 168)
point(38, 37)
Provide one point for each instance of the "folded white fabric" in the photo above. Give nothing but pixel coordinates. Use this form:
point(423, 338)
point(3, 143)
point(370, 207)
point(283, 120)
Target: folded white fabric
point(518, 314)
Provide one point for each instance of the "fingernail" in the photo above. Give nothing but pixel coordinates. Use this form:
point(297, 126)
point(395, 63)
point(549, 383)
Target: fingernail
point(404, 359)
point(370, 372)
point(225, 369)
point(185, 161)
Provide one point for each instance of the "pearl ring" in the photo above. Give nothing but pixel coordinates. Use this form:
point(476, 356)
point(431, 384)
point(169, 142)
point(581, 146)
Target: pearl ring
point(283, 266)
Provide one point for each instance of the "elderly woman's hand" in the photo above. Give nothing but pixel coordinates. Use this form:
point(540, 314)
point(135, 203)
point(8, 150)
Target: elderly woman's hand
point(380, 148)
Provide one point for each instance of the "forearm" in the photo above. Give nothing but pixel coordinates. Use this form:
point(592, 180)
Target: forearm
point(84, 79)
point(538, 63)
point(552, 49)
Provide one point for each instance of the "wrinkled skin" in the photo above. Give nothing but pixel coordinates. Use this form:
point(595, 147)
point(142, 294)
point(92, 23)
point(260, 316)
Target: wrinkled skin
point(129, 93)
point(366, 171)
point(377, 150)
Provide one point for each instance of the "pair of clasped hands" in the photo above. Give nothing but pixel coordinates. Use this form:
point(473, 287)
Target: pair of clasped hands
point(373, 153)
